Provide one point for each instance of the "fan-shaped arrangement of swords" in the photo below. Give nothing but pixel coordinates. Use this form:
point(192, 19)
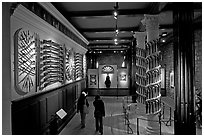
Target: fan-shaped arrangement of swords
point(51, 63)
point(25, 61)
point(70, 65)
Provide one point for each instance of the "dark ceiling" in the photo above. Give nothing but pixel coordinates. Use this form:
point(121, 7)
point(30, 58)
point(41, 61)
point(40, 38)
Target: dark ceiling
point(95, 20)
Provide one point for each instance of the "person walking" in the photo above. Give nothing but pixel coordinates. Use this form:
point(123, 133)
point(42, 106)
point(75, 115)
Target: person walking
point(82, 107)
point(99, 113)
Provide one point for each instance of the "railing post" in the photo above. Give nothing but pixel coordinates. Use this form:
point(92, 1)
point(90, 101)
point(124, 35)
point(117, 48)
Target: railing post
point(163, 110)
point(138, 126)
point(160, 123)
point(170, 116)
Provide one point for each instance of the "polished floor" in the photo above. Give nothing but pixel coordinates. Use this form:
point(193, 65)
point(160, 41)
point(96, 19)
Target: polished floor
point(114, 121)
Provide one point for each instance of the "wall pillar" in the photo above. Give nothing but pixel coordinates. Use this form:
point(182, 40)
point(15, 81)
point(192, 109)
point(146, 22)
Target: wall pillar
point(6, 70)
point(184, 64)
point(132, 79)
point(152, 29)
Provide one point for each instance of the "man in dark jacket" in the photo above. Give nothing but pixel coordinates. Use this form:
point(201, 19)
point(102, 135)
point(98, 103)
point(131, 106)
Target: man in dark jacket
point(99, 113)
point(81, 102)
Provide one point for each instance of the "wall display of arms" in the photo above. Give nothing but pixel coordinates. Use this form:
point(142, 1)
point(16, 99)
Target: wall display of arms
point(51, 64)
point(38, 64)
point(24, 61)
point(153, 78)
point(78, 65)
point(140, 75)
point(84, 66)
point(70, 65)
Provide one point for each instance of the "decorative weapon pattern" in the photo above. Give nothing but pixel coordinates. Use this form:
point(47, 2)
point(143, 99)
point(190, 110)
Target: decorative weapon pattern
point(25, 60)
point(84, 66)
point(67, 65)
point(41, 63)
point(51, 63)
point(79, 65)
point(70, 65)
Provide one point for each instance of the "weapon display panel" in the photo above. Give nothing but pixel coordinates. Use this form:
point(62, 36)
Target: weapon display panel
point(25, 61)
point(141, 74)
point(84, 66)
point(67, 65)
point(70, 65)
point(51, 64)
point(79, 65)
point(153, 78)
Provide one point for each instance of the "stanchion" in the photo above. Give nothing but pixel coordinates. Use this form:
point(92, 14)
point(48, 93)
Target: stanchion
point(170, 116)
point(160, 123)
point(163, 110)
point(138, 126)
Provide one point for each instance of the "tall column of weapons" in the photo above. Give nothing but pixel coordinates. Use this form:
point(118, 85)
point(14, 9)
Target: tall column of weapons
point(51, 64)
point(84, 66)
point(79, 65)
point(67, 65)
point(141, 74)
point(153, 87)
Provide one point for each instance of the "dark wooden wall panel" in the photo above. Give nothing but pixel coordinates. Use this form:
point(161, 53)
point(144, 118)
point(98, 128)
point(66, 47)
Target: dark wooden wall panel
point(64, 96)
point(32, 115)
point(20, 120)
point(60, 100)
point(52, 106)
point(43, 114)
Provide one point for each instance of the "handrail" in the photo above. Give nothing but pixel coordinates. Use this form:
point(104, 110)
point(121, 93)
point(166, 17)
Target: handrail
point(159, 121)
point(161, 115)
point(170, 114)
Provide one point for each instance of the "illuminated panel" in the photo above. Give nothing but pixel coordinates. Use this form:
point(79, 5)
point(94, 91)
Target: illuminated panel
point(51, 63)
point(24, 61)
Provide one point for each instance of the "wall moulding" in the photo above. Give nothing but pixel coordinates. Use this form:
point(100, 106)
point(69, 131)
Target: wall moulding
point(44, 29)
point(48, 6)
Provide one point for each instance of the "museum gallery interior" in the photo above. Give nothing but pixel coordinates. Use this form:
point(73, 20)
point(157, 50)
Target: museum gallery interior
point(143, 58)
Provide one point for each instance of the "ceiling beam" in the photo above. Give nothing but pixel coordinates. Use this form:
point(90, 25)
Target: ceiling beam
point(95, 30)
point(126, 29)
point(109, 38)
point(197, 6)
point(108, 46)
point(106, 13)
point(109, 43)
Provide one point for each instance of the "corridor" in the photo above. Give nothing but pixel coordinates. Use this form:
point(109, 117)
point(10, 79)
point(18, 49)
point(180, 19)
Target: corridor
point(126, 52)
point(114, 122)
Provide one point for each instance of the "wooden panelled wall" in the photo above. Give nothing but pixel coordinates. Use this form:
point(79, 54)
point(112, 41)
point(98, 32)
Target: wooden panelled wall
point(33, 115)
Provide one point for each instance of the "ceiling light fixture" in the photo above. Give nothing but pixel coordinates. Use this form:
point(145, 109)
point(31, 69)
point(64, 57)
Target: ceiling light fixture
point(115, 13)
point(116, 31)
point(164, 34)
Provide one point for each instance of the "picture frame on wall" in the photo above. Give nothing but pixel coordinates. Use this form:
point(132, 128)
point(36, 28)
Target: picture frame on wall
point(92, 79)
point(122, 77)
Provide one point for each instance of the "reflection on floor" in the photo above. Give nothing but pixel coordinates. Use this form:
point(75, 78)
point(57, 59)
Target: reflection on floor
point(114, 121)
